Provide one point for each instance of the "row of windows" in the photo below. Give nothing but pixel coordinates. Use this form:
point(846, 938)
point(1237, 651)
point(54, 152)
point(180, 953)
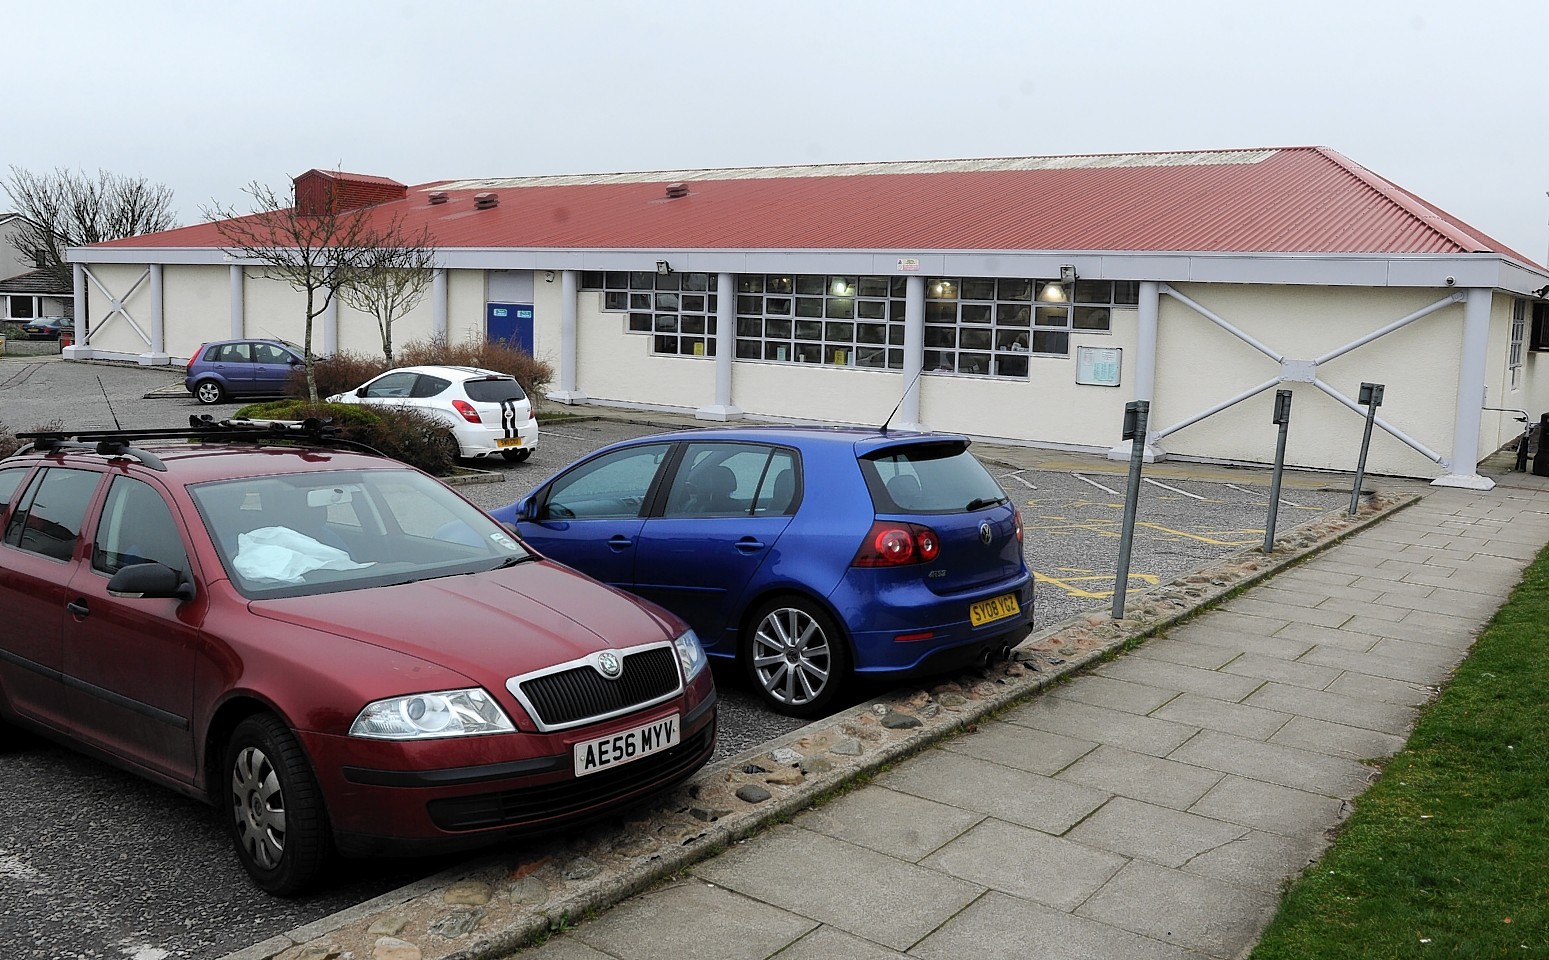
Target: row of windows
point(973, 325)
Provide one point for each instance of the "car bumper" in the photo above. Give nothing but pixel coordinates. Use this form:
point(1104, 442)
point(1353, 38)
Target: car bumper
point(905, 628)
point(476, 440)
point(469, 794)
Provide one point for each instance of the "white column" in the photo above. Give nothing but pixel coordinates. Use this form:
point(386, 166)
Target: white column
point(1143, 367)
point(158, 351)
point(331, 327)
point(914, 353)
point(237, 319)
point(82, 348)
point(725, 350)
point(438, 300)
point(1465, 424)
point(569, 296)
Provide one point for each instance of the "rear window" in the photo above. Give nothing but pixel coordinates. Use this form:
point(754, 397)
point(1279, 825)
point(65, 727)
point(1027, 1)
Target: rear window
point(929, 478)
point(494, 390)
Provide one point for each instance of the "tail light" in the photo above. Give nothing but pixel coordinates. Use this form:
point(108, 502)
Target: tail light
point(1016, 518)
point(194, 356)
point(465, 408)
point(890, 544)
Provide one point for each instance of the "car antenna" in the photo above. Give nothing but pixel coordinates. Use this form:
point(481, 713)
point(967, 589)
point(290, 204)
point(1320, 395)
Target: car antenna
point(109, 401)
point(900, 403)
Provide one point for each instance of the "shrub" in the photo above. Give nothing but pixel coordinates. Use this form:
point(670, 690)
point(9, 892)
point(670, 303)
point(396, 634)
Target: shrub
point(409, 436)
point(336, 374)
point(10, 442)
point(499, 355)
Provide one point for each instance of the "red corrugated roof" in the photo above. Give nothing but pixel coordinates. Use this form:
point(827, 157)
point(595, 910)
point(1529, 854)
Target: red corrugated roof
point(1285, 200)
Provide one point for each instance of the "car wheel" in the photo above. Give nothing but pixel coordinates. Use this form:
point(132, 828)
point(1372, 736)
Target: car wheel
point(208, 391)
point(516, 456)
point(796, 655)
point(275, 807)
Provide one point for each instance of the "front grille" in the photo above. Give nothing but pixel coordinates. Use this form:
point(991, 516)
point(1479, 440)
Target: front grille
point(551, 804)
point(581, 693)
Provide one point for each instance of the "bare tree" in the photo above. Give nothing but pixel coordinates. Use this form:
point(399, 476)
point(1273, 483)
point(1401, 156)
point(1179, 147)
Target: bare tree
point(67, 208)
point(391, 281)
point(318, 251)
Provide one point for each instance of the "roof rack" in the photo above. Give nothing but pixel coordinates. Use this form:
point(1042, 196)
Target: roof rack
point(202, 427)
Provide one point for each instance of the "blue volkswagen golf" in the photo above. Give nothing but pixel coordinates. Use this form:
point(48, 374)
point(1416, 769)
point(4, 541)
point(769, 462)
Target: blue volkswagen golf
point(807, 554)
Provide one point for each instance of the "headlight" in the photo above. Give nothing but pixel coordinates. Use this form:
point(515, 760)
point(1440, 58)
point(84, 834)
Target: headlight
point(690, 654)
point(423, 716)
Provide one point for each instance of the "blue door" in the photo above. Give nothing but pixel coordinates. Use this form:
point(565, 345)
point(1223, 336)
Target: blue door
point(511, 322)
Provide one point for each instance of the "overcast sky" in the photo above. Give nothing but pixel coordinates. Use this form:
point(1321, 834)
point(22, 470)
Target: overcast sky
point(1447, 99)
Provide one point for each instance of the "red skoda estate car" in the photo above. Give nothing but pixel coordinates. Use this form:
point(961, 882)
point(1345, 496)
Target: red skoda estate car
point(337, 651)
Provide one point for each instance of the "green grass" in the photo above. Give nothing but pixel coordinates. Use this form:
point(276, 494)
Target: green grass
point(1448, 854)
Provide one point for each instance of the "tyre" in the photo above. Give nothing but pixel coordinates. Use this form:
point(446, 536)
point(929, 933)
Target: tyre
point(796, 656)
point(209, 391)
point(274, 807)
point(517, 456)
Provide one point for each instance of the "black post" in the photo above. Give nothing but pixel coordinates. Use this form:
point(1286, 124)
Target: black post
point(1136, 413)
point(1541, 458)
point(1371, 397)
point(1283, 418)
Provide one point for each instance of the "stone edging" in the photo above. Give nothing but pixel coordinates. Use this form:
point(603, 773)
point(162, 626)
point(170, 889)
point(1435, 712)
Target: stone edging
point(505, 900)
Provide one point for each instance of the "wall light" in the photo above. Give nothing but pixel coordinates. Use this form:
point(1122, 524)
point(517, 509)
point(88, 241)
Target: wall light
point(548, 276)
point(1053, 292)
point(663, 267)
point(1068, 273)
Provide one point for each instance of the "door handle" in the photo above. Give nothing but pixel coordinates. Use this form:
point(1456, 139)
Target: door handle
point(750, 545)
point(78, 607)
point(620, 542)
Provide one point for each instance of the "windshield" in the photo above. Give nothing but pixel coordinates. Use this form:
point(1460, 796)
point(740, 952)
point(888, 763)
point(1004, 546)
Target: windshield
point(929, 478)
point(326, 531)
point(494, 390)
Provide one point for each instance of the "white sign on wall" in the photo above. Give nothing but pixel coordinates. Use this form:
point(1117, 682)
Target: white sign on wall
point(1099, 365)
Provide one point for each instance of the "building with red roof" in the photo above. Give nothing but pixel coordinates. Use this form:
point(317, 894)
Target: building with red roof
point(1025, 299)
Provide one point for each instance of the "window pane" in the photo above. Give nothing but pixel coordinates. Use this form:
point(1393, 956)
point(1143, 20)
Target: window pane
point(591, 279)
point(1013, 314)
point(615, 300)
point(779, 285)
point(1009, 366)
point(1094, 291)
point(840, 308)
point(940, 312)
point(777, 306)
point(809, 330)
point(136, 527)
point(809, 306)
point(669, 281)
point(811, 285)
point(692, 323)
point(839, 332)
point(696, 281)
point(48, 520)
point(974, 338)
point(1051, 341)
point(750, 306)
point(1052, 317)
point(940, 361)
point(749, 350)
point(973, 363)
point(1126, 291)
point(777, 329)
point(873, 287)
point(642, 280)
point(693, 302)
point(941, 336)
point(666, 301)
point(665, 323)
point(750, 327)
point(1090, 318)
point(978, 289)
point(976, 313)
point(870, 333)
point(666, 344)
point(616, 280)
point(777, 351)
point(639, 322)
point(750, 283)
point(841, 286)
point(1014, 289)
point(941, 288)
point(871, 309)
point(640, 301)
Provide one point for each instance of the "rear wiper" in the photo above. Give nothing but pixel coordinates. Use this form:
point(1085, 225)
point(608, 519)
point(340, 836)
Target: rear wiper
point(979, 503)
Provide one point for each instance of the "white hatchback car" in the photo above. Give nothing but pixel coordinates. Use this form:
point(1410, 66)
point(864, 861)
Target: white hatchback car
point(488, 412)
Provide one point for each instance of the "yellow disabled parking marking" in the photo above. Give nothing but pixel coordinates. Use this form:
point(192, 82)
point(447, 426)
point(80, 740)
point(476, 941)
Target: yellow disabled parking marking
point(1071, 584)
point(1213, 541)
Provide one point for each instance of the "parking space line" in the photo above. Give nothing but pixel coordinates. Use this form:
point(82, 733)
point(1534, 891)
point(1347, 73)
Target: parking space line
point(1097, 485)
point(1020, 479)
point(1201, 538)
point(1158, 483)
point(1262, 497)
point(1069, 587)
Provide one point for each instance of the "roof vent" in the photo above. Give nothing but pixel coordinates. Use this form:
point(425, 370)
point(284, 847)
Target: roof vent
point(676, 190)
point(484, 201)
point(438, 197)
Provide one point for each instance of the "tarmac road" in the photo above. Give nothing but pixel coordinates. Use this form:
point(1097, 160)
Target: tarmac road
point(95, 863)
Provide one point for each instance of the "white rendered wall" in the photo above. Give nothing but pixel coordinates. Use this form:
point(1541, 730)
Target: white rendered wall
point(113, 335)
point(614, 366)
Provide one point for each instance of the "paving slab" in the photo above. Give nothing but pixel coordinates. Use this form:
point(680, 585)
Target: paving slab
point(1022, 747)
point(897, 824)
point(692, 920)
point(1164, 904)
point(1274, 763)
point(1147, 831)
point(1142, 777)
point(1027, 863)
point(1102, 725)
point(969, 783)
point(1270, 808)
point(1001, 927)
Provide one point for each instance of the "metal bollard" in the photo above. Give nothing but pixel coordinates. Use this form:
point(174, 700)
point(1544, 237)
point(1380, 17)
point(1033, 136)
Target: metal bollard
point(1541, 458)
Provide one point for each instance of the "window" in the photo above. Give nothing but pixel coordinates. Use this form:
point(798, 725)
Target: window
point(614, 486)
point(837, 320)
point(733, 479)
point(1518, 331)
point(9, 481)
point(393, 385)
point(232, 353)
point(136, 527)
point(677, 310)
point(48, 518)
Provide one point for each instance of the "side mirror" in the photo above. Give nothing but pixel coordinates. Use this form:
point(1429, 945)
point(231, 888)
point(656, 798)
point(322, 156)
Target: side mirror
point(527, 509)
point(360, 391)
point(150, 580)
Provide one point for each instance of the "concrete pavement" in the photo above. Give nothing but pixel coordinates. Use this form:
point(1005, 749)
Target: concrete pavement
point(1124, 790)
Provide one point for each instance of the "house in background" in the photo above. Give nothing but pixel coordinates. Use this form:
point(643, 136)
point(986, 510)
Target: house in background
point(26, 292)
point(1022, 299)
